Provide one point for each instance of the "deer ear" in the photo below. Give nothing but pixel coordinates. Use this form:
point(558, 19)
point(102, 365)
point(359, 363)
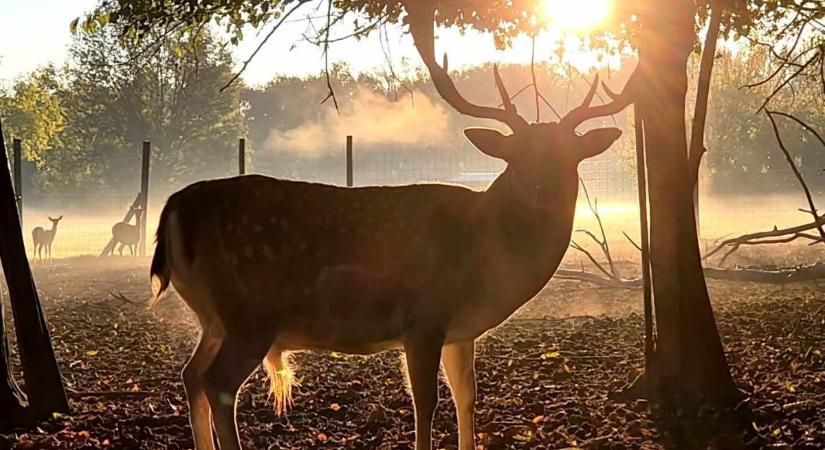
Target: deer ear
point(491, 142)
point(594, 142)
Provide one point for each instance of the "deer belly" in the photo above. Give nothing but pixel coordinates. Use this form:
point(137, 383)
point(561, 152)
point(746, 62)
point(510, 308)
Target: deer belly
point(346, 327)
point(348, 309)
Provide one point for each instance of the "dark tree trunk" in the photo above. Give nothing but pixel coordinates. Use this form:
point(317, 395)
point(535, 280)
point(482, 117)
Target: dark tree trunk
point(44, 384)
point(11, 398)
point(689, 361)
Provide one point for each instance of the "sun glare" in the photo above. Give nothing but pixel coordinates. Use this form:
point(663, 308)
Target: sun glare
point(577, 14)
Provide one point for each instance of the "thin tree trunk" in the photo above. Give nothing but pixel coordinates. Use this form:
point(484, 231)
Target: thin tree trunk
point(11, 398)
point(697, 147)
point(44, 384)
point(689, 360)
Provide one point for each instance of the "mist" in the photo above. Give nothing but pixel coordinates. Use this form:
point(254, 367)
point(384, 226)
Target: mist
point(377, 121)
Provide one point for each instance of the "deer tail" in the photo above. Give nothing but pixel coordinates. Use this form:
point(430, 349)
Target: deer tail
point(160, 272)
point(281, 378)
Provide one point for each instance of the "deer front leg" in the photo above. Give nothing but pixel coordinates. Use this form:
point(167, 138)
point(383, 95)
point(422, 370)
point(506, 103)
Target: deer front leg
point(235, 360)
point(459, 361)
point(423, 354)
point(193, 383)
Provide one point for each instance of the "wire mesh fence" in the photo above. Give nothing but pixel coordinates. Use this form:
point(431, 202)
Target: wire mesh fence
point(611, 183)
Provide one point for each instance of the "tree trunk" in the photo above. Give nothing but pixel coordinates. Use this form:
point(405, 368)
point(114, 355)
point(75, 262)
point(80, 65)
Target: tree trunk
point(689, 362)
point(44, 384)
point(11, 398)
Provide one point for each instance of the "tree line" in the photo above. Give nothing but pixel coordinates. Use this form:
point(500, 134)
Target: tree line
point(82, 123)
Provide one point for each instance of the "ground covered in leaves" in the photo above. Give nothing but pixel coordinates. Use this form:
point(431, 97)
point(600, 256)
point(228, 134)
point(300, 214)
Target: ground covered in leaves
point(543, 377)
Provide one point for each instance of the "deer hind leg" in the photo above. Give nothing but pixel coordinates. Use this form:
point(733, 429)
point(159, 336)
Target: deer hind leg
point(459, 359)
point(423, 356)
point(193, 383)
point(234, 361)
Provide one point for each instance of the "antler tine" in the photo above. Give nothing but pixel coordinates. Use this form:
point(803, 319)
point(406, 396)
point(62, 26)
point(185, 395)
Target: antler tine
point(588, 99)
point(421, 21)
point(502, 91)
point(620, 101)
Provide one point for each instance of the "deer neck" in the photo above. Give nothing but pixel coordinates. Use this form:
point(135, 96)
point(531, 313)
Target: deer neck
point(527, 240)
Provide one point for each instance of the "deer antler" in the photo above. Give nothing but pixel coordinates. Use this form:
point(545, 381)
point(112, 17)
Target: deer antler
point(620, 101)
point(421, 17)
point(421, 22)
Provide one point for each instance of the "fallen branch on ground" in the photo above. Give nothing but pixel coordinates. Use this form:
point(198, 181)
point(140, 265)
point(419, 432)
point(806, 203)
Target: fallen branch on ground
point(112, 394)
point(781, 276)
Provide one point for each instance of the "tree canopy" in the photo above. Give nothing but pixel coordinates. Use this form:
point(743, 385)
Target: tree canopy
point(82, 124)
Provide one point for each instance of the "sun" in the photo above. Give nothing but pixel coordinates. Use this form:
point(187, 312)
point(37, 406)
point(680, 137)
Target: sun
point(577, 14)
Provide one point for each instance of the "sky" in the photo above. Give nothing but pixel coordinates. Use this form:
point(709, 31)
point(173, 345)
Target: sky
point(38, 31)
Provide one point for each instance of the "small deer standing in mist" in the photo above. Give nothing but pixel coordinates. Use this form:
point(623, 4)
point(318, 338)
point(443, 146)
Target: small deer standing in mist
point(126, 234)
point(271, 266)
point(43, 239)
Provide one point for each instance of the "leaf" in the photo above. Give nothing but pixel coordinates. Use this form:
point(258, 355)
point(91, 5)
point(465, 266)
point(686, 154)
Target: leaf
point(335, 407)
point(73, 25)
point(551, 355)
point(103, 19)
point(526, 436)
point(91, 353)
point(322, 437)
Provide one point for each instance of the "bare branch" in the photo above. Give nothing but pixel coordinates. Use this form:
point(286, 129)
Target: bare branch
point(330, 91)
point(632, 242)
point(262, 43)
point(576, 246)
point(816, 56)
point(800, 122)
point(798, 174)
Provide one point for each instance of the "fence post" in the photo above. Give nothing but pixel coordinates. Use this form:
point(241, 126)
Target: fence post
point(144, 194)
point(18, 177)
point(241, 156)
point(349, 161)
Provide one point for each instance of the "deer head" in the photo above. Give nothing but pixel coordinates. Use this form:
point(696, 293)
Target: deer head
point(55, 221)
point(539, 155)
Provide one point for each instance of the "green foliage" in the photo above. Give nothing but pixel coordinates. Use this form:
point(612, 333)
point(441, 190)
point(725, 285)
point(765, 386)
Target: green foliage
point(83, 125)
point(138, 19)
point(743, 155)
point(33, 111)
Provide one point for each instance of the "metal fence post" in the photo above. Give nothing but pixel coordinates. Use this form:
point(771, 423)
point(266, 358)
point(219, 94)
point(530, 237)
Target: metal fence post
point(242, 156)
point(349, 162)
point(144, 192)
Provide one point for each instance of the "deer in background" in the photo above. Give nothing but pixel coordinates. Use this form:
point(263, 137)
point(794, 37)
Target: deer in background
point(126, 234)
point(271, 266)
point(43, 239)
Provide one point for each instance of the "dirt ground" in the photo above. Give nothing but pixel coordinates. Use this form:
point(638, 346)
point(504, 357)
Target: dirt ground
point(543, 377)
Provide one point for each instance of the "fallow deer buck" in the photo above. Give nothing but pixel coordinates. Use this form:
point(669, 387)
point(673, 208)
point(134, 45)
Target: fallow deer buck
point(43, 239)
point(271, 266)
